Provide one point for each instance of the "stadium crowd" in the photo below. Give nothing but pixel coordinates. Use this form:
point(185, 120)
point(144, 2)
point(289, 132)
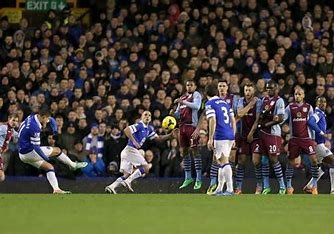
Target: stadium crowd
point(136, 55)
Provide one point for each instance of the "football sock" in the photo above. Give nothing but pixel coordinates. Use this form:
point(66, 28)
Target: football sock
point(279, 174)
point(228, 174)
point(221, 180)
point(198, 167)
point(66, 160)
point(331, 176)
point(258, 175)
point(240, 171)
point(136, 174)
point(321, 173)
point(315, 175)
point(51, 176)
point(187, 167)
point(288, 175)
point(118, 181)
point(213, 173)
point(265, 172)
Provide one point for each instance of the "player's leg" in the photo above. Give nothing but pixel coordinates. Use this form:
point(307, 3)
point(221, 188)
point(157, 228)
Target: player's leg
point(213, 176)
point(225, 174)
point(185, 143)
point(294, 152)
point(125, 167)
point(256, 159)
point(240, 171)
point(265, 174)
point(198, 167)
point(2, 170)
point(329, 160)
point(57, 153)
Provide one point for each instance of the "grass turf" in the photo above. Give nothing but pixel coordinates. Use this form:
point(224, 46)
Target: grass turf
point(165, 213)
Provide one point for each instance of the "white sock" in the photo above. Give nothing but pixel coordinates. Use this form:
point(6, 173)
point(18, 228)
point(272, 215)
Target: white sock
point(228, 174)
point(51, 176)
point(331, 176)
point(321, 173)
point(66, 160)
point(117, 182)
point(221, 180)
point(136, 174)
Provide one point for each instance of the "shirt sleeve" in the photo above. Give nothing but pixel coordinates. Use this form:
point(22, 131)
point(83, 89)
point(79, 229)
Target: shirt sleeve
point(134, 128)
point(196, 103)
point(280, 107)
point(240, 103)
point(287, 113)
point(258, 106)
point(152, 134)
point(209, 111)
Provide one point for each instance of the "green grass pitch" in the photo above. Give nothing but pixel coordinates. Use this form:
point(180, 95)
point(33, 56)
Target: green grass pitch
point(165, 213)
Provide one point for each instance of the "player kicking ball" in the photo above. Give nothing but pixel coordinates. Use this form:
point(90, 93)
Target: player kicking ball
point(32, 153)
point(133, 164)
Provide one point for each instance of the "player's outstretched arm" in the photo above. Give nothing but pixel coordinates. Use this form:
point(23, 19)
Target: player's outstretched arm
point(161, 138)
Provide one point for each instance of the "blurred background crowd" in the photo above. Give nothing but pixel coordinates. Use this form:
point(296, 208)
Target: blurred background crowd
point(135, 56)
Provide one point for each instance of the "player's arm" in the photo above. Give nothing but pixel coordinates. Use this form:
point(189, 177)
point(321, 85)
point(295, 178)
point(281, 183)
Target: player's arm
point(287, 113)
point(233, 121)
point(256, 122)
point(280, 111)
point(161, 138)
point(313, 124)
point(195, 134)
point(211, 116)
point(36, 144)
point(243, 110)
point(128, 131)
point(196, 103)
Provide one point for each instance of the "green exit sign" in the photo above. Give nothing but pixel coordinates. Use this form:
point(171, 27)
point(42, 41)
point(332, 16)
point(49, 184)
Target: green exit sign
point(45, 5)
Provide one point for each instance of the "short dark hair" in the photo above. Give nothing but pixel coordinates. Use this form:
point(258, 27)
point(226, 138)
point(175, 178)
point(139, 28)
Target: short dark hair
point(211, 90)
point(44, 112)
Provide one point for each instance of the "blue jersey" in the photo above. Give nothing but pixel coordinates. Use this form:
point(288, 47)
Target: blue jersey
point(222, 111)
point(141, 132)
point(318, 124)
point(29, 136)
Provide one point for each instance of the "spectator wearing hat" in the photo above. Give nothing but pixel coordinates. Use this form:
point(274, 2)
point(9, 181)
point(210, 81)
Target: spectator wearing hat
point(96, 165)
point(69, 137)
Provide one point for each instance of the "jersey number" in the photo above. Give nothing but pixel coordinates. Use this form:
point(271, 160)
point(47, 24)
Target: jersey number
point(226, 116)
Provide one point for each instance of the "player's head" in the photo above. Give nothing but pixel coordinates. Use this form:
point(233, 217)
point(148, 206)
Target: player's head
point(13, 120)
point(43, 116)
point(146, 117)
point(321, 102)
point(272, 88)
point(222, 87)
point(211, 90)
point(190, 86)
point(249, 90)
point(299, 94)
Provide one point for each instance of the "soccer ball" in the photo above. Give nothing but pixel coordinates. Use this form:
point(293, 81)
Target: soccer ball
point(169, 123)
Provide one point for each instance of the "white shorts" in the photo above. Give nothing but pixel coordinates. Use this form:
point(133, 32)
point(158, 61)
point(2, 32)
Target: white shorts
point(33, 158)
point(222, 148)
point(322, 152)
point(130, 158)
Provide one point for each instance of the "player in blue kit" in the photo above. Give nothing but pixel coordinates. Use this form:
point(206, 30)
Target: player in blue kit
point(133, 164)
point(31, 152)
point(317, 122)
point(222, 128)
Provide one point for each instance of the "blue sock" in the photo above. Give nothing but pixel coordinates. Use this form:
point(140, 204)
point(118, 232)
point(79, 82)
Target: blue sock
point(288, 175)
point(265, 171)
point(258, 175)
point(315, 175)
point(279, 174)
point(187, 167)
point(240, 170)
point(198, 167)
point(213, 173)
